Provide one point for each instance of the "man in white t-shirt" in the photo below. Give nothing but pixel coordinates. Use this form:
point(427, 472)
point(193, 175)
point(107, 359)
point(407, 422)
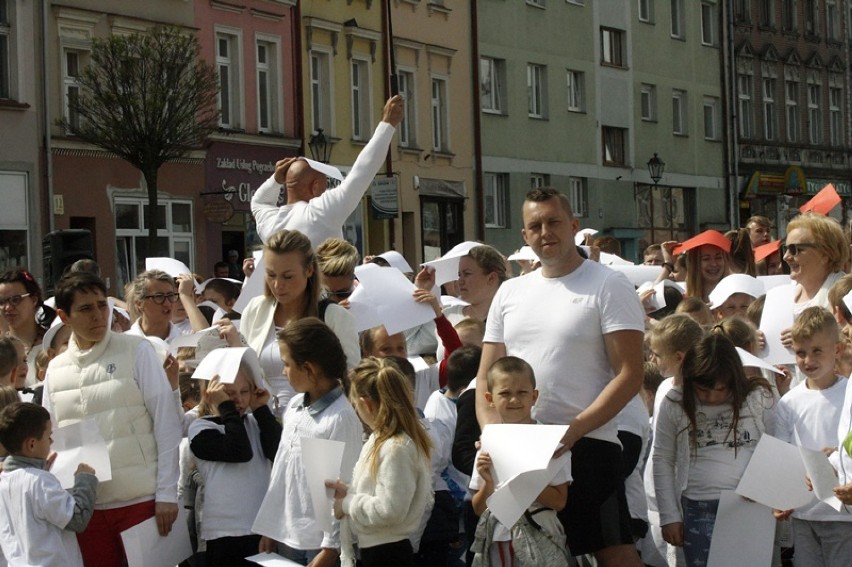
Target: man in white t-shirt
point(311, 209)
point(580, 325)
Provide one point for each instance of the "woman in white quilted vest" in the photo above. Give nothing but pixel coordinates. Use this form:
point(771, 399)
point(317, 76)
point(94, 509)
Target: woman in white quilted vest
point(292, 292)
point(117, 381)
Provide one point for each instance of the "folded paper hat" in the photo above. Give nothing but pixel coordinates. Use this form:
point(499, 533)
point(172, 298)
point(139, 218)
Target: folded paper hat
point(711, 237)
point(764, 251)
point(735, 283)
point(396, 260)
point(580, 237)
point(823, 201)
point(324, 168)
point(225, 363)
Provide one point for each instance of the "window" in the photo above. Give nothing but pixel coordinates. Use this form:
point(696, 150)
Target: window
point(174, 234)
point(648, 102)
point(536, 90)
point(407, 127)
point(835, 97)
point(579, 196)
point(73, 62)
point(576, 95)
point(814, 114)
point(679, 112)
point(267, 87)
point(708, 23)
point(770, 119)
point(614, 148)
point(742, 10)
point(646, 11)
point(678, 24)
point(744, 96)
point(791, 102)
point(539, 180)
point(767, 13)
point(612, 47)
point(440, 125)
point(788, 13)
point(711, 118)
point(5, 45)
point(360, 100)
point(496, 196)
point(492, 77)
point(832, 20)
point(228, 60)
point(811, 17)
point(321, 91)
point(14, 226)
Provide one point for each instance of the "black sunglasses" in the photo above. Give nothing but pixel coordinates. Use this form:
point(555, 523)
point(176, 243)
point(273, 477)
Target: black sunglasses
point(160, 298)
point(794, 249)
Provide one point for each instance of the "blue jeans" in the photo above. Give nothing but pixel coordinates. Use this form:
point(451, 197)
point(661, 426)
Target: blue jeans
point(699, 517)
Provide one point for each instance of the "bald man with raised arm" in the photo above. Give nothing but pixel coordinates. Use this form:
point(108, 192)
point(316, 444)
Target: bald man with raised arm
point(311, 209)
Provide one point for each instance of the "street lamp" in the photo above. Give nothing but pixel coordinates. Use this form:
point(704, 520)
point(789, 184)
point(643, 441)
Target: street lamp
point(656, 166)
point(321, 147)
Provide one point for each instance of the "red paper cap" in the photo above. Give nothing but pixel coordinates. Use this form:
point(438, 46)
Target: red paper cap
point(712, 237)
point(823, 201)
point(764, 251)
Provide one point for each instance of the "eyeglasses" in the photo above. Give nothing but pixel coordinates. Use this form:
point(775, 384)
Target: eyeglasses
point(794, 249)
point(340, 294)
point(160, 298)
point(13, 300)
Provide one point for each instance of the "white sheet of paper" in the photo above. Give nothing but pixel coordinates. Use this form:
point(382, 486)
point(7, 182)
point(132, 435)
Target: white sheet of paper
point(324, 168)
point(392, 295)
point(524, 253)
point(502, 440)
point(656, 301)
point(743, 534)
point(77, 443)
point(778, 280)
point(397, 260)
point(447, 266)
point(322, 459)
point(272, 560)
point(511, 498)
point(363, 310)
point(580, 237)
point(169, 265)
point(822, 475)
point(748, 359)
point(418, 362)
point(253, 286)
point(638, 274)
point(776, 318)
point(225, 362)
point(146, 548)
point(190, 340)
point(775, 476)
point(612, 260)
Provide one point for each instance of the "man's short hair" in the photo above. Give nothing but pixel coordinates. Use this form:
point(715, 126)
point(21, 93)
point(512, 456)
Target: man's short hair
point(8, 356)
point(21, 421)
point(812, 322)
point(462, 366)
point(511, 365)
point(220, 264)
point(542, 194)
point(73, 282)
point(759, 221)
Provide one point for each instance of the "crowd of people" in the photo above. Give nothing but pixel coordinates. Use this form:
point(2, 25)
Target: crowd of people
point(664, 406)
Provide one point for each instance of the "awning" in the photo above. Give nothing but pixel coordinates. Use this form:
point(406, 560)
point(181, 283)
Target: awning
point(440, 188)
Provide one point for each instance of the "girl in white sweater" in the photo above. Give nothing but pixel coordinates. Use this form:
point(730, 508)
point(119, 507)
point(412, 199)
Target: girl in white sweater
point(392, 481)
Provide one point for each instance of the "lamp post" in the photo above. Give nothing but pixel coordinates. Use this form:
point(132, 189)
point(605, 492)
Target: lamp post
point(656, 166)
point(321, 147)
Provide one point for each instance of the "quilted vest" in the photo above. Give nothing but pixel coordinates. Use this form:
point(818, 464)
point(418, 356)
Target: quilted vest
point(99, 384)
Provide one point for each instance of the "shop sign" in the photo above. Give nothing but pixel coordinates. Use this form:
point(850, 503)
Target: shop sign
point(792, 182)
point(384, 198)
point(843, 188)
point(235, 171)
point(218, 211)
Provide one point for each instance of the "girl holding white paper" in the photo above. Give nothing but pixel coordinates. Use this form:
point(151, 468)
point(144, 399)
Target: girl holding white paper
point(290, 521)
point(705, 434)
point(233, 451)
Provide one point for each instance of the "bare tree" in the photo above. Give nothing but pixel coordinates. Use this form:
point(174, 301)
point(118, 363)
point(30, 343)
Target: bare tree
point(148, 98)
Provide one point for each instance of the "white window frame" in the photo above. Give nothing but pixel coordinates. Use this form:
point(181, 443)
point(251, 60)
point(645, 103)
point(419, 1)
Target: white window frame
point(648, 102)
point(270, 68)
point(835, 111)
point(70, 83)
point(496, 197)
point(360, 85)
point(492, 90)
point(612, 47)
point(576, 84)
point(536, 90)
point(235, 117)
point(814, 113)
point(791, 104)
point(708, 24)
point(711, 118)
point(646, 11)
point(440, 114)
point(745, 91)
point(408, 127)
point(614, 161)
point(678, 21)
point(679, 113)
point(770, 115)
point(539, 180)
point(578, 195)
point(322, 90)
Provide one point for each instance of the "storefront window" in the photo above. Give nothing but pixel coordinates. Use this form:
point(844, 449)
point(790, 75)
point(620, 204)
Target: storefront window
point(665, 213)
point(14, 220)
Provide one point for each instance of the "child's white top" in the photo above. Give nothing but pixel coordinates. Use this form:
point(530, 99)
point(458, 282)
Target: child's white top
point(232, 491)
point(840, 459)
point(426, 382)
point(35, 509)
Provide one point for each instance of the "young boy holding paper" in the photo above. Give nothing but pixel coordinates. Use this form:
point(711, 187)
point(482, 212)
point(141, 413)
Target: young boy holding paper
point(808, 416)
point(40, 517)
point(511, 392)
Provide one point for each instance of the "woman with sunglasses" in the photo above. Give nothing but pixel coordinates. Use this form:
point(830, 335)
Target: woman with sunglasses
point(23, 312)
point(816, 251)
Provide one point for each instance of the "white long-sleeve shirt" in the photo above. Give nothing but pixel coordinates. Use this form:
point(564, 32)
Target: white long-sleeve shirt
point(322, 217)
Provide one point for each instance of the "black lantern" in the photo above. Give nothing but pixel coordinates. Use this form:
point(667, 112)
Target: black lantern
point(656, 166)
point(320, 147)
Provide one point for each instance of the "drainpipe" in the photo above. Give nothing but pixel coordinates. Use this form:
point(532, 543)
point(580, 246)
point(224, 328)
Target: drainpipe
point(477, 122)
point(45, 81)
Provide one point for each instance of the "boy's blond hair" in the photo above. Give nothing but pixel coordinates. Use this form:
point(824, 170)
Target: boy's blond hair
point(839, 290)
point(812, 322)
point(677, 331)
point(512, 366)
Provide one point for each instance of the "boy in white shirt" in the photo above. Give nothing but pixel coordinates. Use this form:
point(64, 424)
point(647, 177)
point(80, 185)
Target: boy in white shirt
point(39, 518)
point(512, 393)
point(808, 415)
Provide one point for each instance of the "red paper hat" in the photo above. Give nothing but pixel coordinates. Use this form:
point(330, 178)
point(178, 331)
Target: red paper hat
point(823, 201)
point(711, 237)
point(764, 251)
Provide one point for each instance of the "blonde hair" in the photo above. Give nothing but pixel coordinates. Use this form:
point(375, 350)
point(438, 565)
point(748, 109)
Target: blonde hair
point(8, 395)
point(489, 261)
point(814, 321)
point(678, 332)
point(337, 258)
point(380, 381)
point(694, 307)
point(286, 241)
point(740, 331)
point(826, 236)
point(204, 406)
point(839, 290)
